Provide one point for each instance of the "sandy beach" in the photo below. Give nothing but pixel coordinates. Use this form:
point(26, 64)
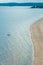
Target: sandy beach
point(36, 30)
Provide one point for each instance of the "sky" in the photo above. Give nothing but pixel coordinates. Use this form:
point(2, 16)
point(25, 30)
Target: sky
point(21, 0)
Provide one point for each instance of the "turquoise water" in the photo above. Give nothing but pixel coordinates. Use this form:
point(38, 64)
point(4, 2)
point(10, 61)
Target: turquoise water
point(16, 47)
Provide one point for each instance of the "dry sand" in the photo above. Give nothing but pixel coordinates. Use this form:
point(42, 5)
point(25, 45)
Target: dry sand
point(36, 31)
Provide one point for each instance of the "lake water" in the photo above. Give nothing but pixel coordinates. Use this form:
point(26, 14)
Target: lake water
point(16, 47)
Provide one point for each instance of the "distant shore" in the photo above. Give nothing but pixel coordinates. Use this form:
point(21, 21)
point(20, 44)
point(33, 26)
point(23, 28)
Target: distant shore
point(33, 5)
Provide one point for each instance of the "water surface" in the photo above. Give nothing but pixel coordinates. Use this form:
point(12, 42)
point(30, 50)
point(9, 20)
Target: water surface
point(16, 47)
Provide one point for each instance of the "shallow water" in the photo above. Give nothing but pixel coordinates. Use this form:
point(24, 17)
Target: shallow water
point(16, 47)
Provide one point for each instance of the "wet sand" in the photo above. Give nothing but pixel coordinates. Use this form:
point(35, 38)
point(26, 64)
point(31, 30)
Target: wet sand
point(36, 31)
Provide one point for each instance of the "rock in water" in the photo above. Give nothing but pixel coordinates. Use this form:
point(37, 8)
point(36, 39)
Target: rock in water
point(37, 37)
